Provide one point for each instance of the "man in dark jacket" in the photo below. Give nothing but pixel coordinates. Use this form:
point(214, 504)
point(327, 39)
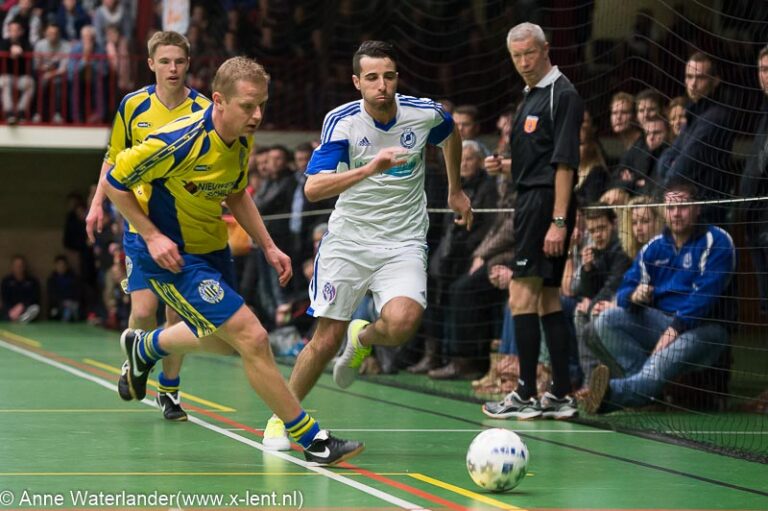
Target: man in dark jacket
point(20, 293)
point(702, 152)
point(754, 183)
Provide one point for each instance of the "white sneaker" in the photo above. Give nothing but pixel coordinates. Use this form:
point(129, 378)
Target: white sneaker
point(275, 436)
point(29, 314)
point(348, 364)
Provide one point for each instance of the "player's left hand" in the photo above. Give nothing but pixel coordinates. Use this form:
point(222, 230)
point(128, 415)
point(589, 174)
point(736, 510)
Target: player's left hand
point(459, 203)
point(554, 242)
point(280, 262)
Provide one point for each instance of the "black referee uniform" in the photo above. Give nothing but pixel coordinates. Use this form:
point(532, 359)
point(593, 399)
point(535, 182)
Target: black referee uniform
point(545, 134)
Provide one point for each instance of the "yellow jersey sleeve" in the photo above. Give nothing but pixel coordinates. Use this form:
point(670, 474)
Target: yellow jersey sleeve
point(143, 163)
point(118, 139)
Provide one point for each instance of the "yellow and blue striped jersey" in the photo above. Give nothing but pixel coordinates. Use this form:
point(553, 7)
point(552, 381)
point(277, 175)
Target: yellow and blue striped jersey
point(189, 170)
point(140, 113)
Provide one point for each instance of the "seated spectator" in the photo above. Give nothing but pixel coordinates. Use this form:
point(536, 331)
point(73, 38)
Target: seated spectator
point(603, 263)
point(702, 152)
point(647, 180)
point(622, 119)
point(112, 13)
point(671, 307)
point(118, 60)
point(16, 79)
point(641, 226)
point(638, 162)
point(676, 117)
point(448, 267)
point(754, 183)
point(86, 71)
point(51, 55)
point(71, 18)
point(465, 117)
point(593, 176)
point(504, 128)
point(27, 16)
point(20, 293)
point(63, 290)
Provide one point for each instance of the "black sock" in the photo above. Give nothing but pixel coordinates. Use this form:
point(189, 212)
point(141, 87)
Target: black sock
point(528, 338)
point(557, 336)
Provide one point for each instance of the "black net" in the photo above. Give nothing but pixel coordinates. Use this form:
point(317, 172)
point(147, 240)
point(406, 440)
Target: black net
point(661, 57)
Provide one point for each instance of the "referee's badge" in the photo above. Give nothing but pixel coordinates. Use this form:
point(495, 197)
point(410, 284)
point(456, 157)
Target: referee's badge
point(531, 122)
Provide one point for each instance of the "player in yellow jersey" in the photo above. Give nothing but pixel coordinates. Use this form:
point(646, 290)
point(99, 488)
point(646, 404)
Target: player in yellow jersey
point(140, 113)
point(191, 165)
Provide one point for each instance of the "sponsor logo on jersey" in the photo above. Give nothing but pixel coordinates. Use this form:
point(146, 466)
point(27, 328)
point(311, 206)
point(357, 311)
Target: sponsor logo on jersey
point(211, 291)
point(364, 142)
point(144, 124)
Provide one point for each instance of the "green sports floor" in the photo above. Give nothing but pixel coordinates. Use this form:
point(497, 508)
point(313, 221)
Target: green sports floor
point(68, 442)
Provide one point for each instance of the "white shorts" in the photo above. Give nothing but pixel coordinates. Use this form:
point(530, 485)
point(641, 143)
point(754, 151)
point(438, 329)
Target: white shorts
point(345, 270)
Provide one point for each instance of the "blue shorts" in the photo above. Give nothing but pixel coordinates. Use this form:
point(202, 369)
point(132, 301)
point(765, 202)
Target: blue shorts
point(133, 245)
point(203, 293)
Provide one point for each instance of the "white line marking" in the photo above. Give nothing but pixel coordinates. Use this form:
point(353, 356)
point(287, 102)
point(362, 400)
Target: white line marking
point(404, 504)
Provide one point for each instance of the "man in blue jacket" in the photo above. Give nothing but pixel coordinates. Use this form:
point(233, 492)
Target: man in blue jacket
point(669, 304)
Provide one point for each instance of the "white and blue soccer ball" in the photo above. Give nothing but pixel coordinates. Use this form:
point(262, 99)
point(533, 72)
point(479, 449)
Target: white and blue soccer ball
point(497, 460)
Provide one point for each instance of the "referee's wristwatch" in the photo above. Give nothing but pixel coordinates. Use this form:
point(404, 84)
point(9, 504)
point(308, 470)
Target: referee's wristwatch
point(559, 222)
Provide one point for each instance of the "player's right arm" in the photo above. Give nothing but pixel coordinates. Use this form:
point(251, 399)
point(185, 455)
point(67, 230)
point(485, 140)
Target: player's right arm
point(117, 142)
point(142, 164)
point(326, 183)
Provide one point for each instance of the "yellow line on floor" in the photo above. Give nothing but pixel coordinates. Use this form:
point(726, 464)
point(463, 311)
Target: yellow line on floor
point(75, 410)
point(153, 383)
point(466, 493)
point(175, 474)
point(20, 338)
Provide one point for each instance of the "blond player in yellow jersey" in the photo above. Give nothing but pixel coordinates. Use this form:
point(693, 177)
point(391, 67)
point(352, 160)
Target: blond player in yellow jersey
point(191, 166)
point(140, 113)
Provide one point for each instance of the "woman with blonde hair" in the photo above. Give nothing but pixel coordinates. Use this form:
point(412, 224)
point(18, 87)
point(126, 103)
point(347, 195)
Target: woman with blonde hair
point(638, 225)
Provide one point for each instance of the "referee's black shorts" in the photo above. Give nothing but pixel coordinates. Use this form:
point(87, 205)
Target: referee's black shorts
point(533, 218)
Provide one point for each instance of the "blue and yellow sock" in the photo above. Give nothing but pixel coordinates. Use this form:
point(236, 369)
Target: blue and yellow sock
point(167, 385)
point(303, 429)
point(149, 347)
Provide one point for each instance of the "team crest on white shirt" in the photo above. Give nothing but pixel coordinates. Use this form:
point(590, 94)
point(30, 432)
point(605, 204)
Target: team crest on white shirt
point(408, 138)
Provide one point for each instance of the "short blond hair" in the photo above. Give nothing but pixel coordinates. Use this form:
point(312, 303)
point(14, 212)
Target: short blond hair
point(167, 38)
point(235, 69)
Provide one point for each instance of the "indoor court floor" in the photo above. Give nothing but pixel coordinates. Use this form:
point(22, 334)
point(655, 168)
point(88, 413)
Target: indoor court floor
point(68, 442)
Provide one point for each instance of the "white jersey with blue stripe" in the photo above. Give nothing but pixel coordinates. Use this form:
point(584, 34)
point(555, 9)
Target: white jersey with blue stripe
point(390, 207)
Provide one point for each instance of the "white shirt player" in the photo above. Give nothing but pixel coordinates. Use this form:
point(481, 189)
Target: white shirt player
point(387, 208)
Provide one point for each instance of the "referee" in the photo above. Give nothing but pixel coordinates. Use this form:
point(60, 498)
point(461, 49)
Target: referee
point(545, 154)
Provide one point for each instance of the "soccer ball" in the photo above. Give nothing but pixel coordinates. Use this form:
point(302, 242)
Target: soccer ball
point(497, 460)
